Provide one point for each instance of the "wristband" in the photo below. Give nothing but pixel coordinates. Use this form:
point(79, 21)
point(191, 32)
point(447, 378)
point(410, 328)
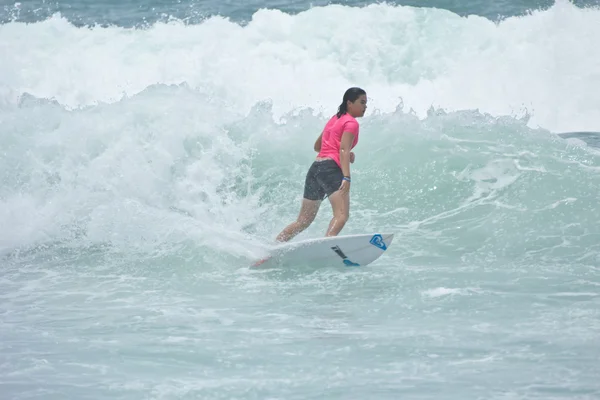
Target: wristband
point(346, 178)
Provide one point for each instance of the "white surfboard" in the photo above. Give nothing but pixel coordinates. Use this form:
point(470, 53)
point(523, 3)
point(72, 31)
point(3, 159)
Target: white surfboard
point(345, 250)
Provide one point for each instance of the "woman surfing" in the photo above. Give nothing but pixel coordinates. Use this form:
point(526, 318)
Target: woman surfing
point(329, 174)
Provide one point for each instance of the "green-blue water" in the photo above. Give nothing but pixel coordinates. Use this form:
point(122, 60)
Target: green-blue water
point(143, 169)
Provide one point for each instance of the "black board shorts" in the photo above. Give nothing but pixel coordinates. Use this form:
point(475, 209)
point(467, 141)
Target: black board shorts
point(322, 179)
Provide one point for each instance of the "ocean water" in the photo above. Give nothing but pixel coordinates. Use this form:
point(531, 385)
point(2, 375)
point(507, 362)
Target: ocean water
point(149, 153)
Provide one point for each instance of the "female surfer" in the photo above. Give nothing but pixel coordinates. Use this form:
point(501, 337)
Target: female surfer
point(329, 174)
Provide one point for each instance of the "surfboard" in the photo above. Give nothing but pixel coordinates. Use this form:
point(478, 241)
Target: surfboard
point(346, 250)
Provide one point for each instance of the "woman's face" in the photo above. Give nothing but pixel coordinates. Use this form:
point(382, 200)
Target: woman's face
point(358, 107)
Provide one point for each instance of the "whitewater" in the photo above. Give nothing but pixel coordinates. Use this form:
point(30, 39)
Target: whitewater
point(544, 64)
point(142, 169)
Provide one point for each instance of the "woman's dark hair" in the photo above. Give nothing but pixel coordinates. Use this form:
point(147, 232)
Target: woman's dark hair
point(351, 94)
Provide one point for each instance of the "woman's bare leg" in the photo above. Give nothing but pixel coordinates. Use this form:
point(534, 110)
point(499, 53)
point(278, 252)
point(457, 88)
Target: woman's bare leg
point(307, 214)
point(340, 203)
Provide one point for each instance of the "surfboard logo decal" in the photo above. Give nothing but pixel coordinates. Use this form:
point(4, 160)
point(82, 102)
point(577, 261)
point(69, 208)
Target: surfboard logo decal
point(340, 253)
point(377, 241)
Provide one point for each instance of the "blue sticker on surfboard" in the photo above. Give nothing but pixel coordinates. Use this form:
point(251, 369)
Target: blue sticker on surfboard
point(377, 241)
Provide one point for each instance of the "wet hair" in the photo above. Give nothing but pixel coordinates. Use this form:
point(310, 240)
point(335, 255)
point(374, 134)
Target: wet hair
point(351, 94)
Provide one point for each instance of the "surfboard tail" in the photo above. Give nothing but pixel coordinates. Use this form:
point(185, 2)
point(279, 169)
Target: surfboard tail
point(260, 262)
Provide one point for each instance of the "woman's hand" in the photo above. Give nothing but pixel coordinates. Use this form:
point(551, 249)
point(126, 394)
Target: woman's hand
point(351, 157)
point(345, 186)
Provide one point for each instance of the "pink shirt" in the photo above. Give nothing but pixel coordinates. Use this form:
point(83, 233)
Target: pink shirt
point(332, 136)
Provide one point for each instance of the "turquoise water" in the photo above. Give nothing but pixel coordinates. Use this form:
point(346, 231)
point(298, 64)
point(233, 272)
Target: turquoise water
point(130, 13)
point(143, 169)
